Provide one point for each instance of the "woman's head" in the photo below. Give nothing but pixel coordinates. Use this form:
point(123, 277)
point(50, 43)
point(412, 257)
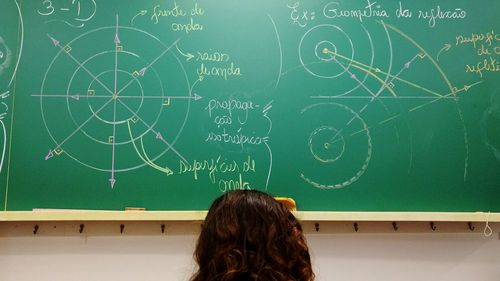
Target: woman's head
point(248, 235)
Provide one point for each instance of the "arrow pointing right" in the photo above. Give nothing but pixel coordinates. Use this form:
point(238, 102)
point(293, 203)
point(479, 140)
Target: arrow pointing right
point(188, 56)
point(446, 48)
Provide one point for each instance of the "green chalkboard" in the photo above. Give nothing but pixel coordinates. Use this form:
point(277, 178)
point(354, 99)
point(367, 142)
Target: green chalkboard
point(356, 105)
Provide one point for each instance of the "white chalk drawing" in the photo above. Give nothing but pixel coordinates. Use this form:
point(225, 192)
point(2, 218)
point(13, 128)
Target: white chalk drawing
point(5, 56)
point(21, 43)
point(278, 40)
point(113, 106)
point(8, 64)
point(74, 13)
point(326, 51)
point(334, 144)
point(4, 108)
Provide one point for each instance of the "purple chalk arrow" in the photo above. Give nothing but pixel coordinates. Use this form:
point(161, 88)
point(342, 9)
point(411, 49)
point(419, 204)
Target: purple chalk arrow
point(54, 41)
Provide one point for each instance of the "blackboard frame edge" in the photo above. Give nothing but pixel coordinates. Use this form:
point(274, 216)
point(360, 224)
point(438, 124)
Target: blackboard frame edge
point(306, 216)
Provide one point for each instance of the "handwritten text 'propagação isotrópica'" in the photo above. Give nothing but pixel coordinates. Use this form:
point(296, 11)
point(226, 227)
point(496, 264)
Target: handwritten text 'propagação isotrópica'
point(231, 118)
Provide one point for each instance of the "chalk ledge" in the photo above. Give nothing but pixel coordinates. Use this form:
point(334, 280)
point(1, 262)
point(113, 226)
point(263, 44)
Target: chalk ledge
point(315, 216)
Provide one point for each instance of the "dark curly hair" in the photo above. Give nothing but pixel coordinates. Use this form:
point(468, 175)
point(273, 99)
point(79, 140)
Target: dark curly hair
point(249, 236)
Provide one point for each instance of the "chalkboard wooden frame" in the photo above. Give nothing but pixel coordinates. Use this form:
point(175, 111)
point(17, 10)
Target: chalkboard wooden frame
point(307, 216)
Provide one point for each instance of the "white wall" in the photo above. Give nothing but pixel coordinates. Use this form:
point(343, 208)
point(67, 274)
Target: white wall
point(406, 257)
point(142, 252)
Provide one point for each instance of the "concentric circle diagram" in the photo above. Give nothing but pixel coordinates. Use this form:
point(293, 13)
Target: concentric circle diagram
point(106, 106)
point(342, 142)
point(327, 51)
point(366, 85)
